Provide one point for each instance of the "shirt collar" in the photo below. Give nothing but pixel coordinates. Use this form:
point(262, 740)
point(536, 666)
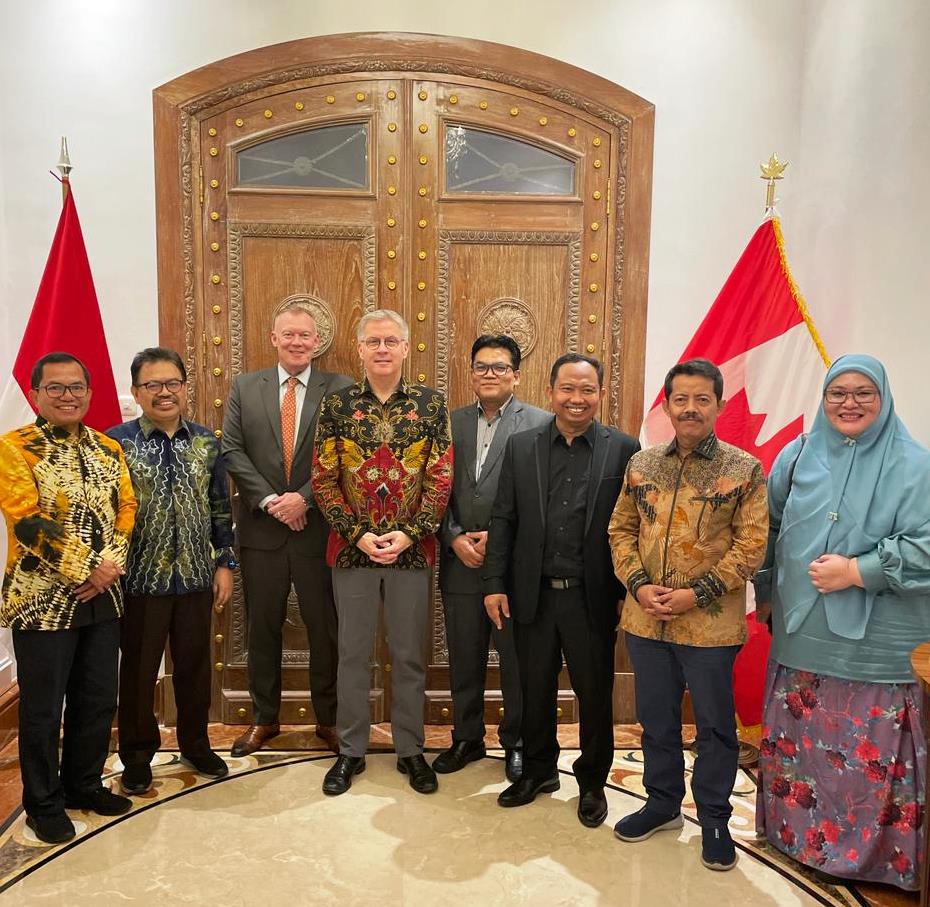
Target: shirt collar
point(303, 377)
point(364, 387)
point(589, 434)
point(500, 412)
point(59, 433)
point(148, 427)
point(706, 449)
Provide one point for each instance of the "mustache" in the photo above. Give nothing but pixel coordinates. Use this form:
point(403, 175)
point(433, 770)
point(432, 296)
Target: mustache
point(689, 417)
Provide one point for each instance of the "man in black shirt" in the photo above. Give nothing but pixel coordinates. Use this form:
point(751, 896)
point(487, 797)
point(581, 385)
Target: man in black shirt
point(548, 566)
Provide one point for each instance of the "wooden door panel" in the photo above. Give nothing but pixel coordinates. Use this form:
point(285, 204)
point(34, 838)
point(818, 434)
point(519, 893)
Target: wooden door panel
point(525, 285)
point(334, 266)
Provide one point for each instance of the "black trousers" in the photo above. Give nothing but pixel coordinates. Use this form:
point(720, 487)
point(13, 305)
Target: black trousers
point(468, 633)
point(662, 671)
point(562, 626)
point(79, 664)
point(149, 621)
point(267, 577)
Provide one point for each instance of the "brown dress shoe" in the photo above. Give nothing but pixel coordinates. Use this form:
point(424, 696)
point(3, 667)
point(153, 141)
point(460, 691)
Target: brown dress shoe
point(254, 739)
point(328, 734)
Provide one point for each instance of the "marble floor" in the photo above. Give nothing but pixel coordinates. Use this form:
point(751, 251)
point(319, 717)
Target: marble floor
point(267, 833)
point(269, 829)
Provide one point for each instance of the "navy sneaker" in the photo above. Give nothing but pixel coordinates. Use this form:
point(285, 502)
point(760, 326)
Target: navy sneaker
point(717, 849)
point(645, 823)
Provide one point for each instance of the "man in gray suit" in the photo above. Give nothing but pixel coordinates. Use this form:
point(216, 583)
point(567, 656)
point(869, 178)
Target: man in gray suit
point(268, 445)
point(479, 435)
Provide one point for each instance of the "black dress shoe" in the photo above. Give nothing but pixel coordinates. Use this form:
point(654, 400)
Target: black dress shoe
point(101, 801)
point(136, 778)
point(339, 778)
point(592, 807)
point(458, 756)
point(525, 790)
point(514, 764)
point(208, 764)
point(52, 829)
point(422, 778)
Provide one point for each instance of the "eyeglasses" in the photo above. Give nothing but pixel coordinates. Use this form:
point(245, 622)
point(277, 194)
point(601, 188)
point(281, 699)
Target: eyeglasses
point(499, 369)
point(155, 387)
point(374, 343)
point(55, 391)
point(836, 396)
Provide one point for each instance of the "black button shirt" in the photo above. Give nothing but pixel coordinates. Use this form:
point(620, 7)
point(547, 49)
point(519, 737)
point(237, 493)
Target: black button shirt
point(569, 474)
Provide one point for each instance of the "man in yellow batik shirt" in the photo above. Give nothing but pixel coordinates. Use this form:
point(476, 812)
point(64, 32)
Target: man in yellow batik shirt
point(689, 529)
point(67, 499)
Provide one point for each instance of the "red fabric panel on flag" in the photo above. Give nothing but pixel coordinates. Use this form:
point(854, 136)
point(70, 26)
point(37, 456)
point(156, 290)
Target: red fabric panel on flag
point(66, 318)
point(754, 305)
point(749, 672)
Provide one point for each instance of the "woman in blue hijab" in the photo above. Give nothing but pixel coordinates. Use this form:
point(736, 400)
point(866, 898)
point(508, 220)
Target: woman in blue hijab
point(841, 786)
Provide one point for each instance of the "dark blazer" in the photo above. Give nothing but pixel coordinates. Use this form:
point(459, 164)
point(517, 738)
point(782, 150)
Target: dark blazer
point(470, 505)
point(513, 563)
point(253, 452)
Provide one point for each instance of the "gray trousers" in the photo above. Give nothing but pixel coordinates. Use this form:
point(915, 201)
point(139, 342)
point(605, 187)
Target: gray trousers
point(358, 592)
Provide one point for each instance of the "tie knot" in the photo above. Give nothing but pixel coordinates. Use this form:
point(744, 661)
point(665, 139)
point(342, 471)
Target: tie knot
point(292, 382)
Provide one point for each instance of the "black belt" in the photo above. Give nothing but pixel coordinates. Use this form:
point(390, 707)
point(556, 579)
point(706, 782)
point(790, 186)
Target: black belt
point(562, 582)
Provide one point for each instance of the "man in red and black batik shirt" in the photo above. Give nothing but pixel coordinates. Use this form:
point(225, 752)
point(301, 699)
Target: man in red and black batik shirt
point(382, 475)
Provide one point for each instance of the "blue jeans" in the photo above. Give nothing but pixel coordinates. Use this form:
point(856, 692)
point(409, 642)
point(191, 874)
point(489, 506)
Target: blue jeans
point(663, 670)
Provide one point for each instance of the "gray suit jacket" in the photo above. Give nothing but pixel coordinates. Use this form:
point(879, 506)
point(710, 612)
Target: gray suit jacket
point(253, 452)
point(470, 505)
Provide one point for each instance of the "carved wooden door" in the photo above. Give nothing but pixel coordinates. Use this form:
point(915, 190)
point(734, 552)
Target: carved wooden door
point(468, 205)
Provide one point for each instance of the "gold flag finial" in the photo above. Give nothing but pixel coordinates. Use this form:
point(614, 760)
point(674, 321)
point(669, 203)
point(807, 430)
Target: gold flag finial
point(772, 170)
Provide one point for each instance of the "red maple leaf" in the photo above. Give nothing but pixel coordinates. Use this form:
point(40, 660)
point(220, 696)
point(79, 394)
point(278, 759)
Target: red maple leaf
point(740, 426)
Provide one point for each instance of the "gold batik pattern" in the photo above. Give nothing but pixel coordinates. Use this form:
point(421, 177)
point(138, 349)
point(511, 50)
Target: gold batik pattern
point(68, 505)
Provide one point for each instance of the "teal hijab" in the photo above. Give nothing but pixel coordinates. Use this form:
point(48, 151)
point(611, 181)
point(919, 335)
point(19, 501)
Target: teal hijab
point(846, 495)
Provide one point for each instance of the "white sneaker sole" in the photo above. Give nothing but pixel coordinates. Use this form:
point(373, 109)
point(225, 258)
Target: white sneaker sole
point(676, 823)
point(720, 867)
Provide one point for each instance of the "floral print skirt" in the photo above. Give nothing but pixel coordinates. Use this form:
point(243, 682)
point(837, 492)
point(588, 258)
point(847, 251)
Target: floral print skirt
point(841, 775)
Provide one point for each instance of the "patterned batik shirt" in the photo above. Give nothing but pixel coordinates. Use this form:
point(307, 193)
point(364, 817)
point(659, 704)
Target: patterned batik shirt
point(379, 466)
point(68, 504)
point(184, 525)
point(700, 522)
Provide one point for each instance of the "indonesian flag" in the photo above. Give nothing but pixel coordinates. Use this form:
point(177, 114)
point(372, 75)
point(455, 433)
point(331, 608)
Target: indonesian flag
point(65, 318)
point(761, 336)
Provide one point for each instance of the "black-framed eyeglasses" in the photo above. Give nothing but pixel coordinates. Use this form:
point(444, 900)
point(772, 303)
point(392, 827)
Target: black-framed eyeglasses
point(837, 396)
point(56, 391)
point(155, 387)
point(498, 369)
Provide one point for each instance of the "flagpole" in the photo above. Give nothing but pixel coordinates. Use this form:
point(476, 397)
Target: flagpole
point(64, 168)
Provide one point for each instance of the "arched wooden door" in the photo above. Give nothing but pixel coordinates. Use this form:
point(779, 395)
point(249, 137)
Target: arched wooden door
point(471, 186)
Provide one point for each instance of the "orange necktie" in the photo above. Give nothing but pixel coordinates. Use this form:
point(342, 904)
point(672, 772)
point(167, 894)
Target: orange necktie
point(288, 420)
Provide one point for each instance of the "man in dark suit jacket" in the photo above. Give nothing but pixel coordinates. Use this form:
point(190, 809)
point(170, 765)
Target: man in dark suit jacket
point(268, 445)
point(479, 434)
point(548, 565)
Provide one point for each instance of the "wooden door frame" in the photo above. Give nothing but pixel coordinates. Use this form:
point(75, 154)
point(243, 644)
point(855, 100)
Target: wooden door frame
point(180, 106)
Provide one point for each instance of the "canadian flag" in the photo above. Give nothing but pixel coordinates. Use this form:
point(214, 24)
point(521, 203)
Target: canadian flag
point(65, 318)
point(761, 336)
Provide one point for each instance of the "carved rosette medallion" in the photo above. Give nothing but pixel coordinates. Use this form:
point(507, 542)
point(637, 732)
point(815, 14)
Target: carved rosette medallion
point(322, 315)
point(512, 317)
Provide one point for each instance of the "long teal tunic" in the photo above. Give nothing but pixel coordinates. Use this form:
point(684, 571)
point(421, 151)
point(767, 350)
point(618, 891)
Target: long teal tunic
point(868, 499)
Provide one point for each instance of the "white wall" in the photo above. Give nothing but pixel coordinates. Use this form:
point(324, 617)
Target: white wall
point(840, 93)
